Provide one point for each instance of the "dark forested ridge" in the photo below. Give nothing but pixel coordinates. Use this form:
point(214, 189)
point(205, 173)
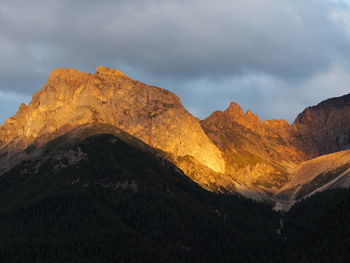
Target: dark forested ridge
point(89, 196)
point(110, 198)
point(318, 228)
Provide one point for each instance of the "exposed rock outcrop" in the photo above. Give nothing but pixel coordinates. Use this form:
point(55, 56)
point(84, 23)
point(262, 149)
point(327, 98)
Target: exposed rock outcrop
point(324, 128)
point(256, 153)
point(71, 98)
point(230, 151)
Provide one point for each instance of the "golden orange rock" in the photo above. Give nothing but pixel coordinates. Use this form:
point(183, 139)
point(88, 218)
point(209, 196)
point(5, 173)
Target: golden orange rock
point(229, 151)
point(256, 153)
point(71, 98)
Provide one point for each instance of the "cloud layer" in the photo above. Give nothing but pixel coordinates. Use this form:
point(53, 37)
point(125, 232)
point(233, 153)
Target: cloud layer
point(273, 56)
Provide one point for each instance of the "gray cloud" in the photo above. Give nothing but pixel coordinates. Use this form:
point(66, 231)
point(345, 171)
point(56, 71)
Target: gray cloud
point(274, 56)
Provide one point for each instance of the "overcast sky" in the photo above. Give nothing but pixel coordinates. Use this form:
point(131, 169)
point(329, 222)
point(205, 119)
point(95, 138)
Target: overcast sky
point(274, 57)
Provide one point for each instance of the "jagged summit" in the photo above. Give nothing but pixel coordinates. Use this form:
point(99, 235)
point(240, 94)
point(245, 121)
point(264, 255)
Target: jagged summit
point(234, 109)
point(74, 77)
point(74, 74)
point(256, 153)
point(66, 73)
point(252, 122)
point(105, 71)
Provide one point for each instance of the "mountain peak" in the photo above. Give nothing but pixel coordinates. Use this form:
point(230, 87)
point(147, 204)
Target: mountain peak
point(105, 71)
point(334, 102)
point(234, 109)
point(74, 75)
point(247, 119)
point(325, 128)
point(71, 98)
point(66, 73)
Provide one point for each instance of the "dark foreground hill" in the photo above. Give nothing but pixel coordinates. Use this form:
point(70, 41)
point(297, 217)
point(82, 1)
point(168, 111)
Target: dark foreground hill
point(97, 194)
point(318, 229)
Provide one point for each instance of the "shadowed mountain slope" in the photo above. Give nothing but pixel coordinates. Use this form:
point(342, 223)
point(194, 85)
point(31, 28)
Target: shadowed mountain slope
point(324, 128)
point(97, 194)
point(318, 230)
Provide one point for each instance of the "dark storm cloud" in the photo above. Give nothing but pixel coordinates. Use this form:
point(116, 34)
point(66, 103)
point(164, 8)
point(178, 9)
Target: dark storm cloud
point(194, 47)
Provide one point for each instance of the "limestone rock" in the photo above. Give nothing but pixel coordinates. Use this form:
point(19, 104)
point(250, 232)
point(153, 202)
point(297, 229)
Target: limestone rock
point(230, 151)
point(256, 153)
point(324, 128)
point(71, 98)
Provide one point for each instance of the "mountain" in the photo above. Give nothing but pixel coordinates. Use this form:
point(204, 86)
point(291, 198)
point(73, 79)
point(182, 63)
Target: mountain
point(324, 128)
point(156, 116)
point(98, 194)
point(102, 168)
point(322, 133)
point(313, 176)
point(256, 153)
point(272, 155)
point(153, 115)
point(231, 151)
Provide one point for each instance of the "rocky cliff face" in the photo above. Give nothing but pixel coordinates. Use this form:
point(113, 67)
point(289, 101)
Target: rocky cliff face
point(230, 150)
point(71, 98)
point(324, 128)
point(256, 153)
point(265, 154)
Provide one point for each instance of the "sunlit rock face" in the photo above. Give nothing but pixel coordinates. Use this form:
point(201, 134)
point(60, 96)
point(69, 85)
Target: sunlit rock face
point(256, 153)
point(324, 128)
point(71, 98)
point(230, 151)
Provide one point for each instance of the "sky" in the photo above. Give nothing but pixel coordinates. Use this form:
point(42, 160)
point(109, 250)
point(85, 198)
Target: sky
point(274, 57)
